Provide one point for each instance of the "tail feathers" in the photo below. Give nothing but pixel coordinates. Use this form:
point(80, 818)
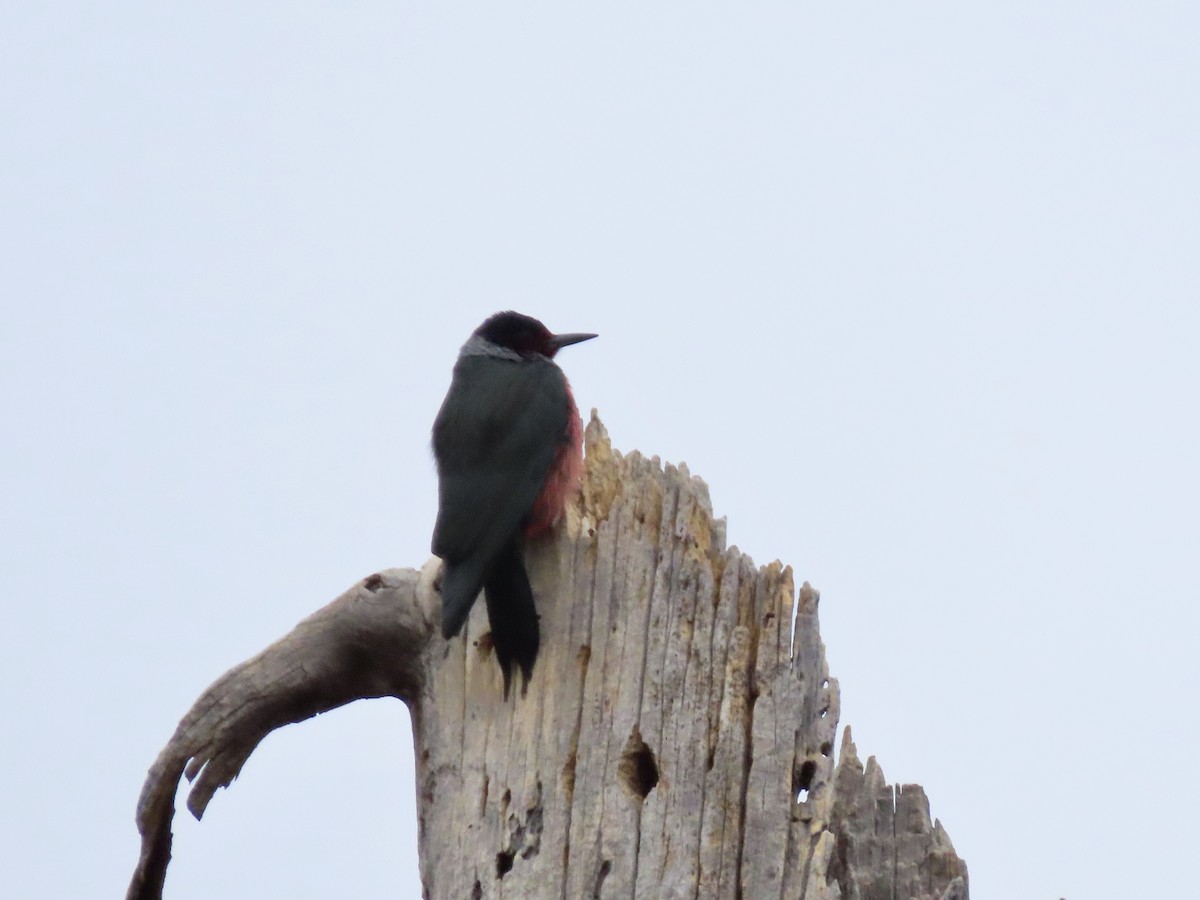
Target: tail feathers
point(460, 587)
point(512, 615)
point(511, 612)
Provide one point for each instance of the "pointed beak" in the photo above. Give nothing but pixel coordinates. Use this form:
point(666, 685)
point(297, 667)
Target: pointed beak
point(558, 341)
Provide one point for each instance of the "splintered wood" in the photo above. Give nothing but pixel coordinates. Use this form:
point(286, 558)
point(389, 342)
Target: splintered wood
point(677, 738)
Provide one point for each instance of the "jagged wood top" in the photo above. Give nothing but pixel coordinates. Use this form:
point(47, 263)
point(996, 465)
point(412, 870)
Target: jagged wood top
point(676, 740)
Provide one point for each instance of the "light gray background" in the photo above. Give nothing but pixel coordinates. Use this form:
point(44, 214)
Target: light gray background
point(913, 286)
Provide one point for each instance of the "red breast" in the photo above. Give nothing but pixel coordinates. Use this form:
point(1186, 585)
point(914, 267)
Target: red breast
point(564, 480)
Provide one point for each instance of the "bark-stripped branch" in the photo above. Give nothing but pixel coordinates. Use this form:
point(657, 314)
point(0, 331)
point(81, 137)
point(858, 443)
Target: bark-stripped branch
point(367, 643)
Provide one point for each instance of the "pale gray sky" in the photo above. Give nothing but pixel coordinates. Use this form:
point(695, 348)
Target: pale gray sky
point(913, 286)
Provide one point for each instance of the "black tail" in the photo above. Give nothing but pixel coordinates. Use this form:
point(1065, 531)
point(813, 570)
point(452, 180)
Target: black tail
point(460, 586)
point(512, 614)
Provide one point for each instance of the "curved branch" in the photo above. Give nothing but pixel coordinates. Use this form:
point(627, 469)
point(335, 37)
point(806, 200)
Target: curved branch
point(369, 642)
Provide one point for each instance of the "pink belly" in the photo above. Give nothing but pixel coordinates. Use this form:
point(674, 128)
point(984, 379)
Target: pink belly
point(563, 482)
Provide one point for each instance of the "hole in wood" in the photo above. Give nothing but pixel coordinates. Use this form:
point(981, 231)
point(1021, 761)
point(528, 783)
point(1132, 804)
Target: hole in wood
point(504, 863)
point(638, 770)
point(485, 643)
point(802, 779)
point(605, 868)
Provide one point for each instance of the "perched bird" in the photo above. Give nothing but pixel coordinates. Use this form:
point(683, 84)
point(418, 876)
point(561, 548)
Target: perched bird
point(509, 449)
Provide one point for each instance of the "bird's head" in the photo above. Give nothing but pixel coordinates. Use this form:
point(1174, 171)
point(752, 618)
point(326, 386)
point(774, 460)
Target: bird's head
point(525, 335)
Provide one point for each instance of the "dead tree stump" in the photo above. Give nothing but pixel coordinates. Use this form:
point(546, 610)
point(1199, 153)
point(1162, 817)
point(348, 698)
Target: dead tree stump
point(676, 740)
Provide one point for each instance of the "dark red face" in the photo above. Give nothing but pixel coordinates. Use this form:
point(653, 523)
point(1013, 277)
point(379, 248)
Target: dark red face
point(521, 334)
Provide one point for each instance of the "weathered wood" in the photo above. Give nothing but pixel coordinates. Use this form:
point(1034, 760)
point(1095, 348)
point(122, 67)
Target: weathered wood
point(886, 846)
point(367, 643)
point(676, 740)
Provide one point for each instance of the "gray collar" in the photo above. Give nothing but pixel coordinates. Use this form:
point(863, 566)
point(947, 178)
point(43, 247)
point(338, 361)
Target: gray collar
point(477, 346)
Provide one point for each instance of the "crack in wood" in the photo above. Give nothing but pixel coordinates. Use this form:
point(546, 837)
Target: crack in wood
point(682, 706)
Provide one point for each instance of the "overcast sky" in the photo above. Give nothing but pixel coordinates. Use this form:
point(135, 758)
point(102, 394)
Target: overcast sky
point(913, 286)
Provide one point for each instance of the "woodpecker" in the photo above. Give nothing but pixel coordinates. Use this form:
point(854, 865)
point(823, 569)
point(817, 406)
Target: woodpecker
point(509, 449)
